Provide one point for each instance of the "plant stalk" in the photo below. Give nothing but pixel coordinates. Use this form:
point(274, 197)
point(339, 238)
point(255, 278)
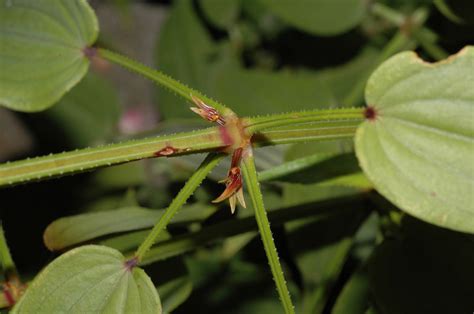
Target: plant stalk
point(161, 78)
point(209, 139)
point(253, 188)
point(188, 189)
point(347, 115)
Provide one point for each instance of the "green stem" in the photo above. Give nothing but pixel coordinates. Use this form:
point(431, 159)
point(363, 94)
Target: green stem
point(428, 42)
point(303, 133)
point(253, 188)
point(209, 139)
point(330, 115)
point(422, 34)
point(387, 13)
point(161, 78)
point(397, 43)
point(90, 158)
point(191, 185)
point(444, 8)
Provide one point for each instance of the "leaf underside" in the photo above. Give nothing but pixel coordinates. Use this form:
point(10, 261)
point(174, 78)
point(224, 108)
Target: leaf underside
point(90, 279)
point(42, 50)
point(418, 147)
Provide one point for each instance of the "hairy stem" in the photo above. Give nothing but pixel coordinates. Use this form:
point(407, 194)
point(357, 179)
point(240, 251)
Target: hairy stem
point(253, 188)
point(191, 185)
point(161, 78)
point(330, 115)
point(56, 165)
point(304, 133)
point(209, 139)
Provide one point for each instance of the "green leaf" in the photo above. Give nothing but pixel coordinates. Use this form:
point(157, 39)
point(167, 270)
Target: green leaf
point(319, 17)
point(223, 14)
point(256, 92)
point(90, 279)
point(42, 50)
point(446, 10)
point(89, 113)
point(72, 230)
point(417, 147)
point(458, 11)
point(424, 270)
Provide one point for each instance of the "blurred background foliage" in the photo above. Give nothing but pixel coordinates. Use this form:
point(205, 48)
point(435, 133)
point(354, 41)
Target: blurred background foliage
point(344, 248)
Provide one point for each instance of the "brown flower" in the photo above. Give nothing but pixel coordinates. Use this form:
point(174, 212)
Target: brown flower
point(206, 112)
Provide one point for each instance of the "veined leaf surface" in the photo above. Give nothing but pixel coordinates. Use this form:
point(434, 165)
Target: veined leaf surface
point(417, 145)
point(90, 279)
point(42, 50)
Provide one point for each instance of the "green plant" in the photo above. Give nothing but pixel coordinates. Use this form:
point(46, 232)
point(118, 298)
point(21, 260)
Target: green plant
point(413, 140)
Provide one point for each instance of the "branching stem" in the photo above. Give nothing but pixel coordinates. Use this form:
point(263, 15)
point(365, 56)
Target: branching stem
point(188, 189)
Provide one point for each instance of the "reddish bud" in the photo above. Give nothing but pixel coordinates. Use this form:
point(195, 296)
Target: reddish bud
point(207, 112)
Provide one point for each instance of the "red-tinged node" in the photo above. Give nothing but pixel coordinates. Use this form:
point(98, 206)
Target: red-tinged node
point(226, 138)
point(370, 113)
point(131, 263)
point(89, 52)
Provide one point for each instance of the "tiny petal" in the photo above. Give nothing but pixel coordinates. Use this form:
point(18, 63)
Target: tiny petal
point(232, 201)
point(240, 197)
point(230, 190)
point(206, 112)
point(198, 111)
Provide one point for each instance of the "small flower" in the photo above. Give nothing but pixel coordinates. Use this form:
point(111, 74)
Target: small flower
point(206, 112)
point(233, 190)
point(233, 182)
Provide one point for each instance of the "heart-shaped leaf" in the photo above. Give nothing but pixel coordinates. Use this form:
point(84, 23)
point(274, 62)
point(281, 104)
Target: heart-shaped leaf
point(42, 55)
point(90, 279)
point(417, 144)
point(320, 17)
